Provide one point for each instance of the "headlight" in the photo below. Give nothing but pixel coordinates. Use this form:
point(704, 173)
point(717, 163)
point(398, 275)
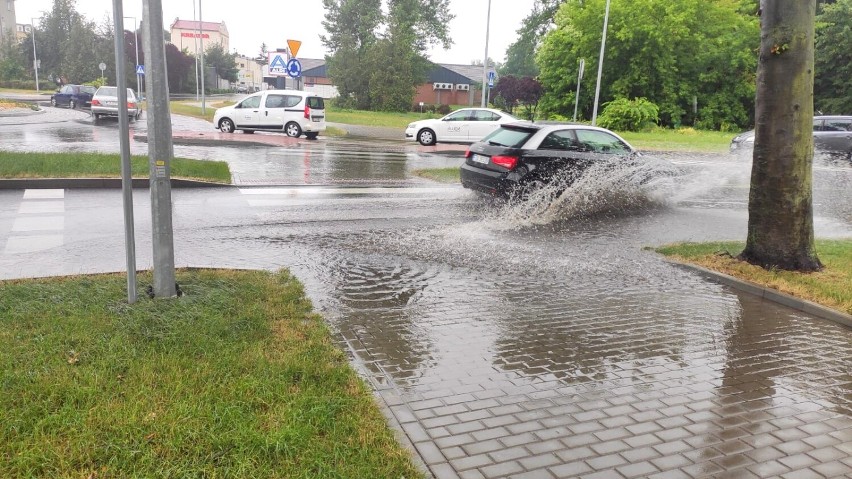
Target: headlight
point(411, 125)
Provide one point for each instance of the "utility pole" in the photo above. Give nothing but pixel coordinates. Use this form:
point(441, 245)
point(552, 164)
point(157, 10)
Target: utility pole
point(160, 149)
point(35, 57)
point(485, 61)
point(136, 42)
point(201, 39)
point(600, 66)
point(124, 138)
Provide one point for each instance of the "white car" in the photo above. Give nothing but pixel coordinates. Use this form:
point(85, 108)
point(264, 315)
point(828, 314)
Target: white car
point(105, 103)
point(290, 111)
point(467, 125)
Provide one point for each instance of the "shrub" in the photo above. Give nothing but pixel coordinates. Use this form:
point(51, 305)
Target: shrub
point(629, 115)
point(444, 109)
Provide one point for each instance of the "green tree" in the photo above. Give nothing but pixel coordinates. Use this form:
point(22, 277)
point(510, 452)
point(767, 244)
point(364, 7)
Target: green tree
point(666, 51)
point(372, 52)
point(520, 56)
point(263, 54)
point(223, 62)
point(12, 61)
point(833, 70)
point(780, 208)
point(351, 27)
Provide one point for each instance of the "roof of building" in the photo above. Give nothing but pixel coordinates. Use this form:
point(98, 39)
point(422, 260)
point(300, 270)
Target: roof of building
point(472, 72)
point(440, 73)
point(205, 26)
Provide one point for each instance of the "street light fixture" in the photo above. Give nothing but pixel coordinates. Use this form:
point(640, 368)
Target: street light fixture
point(136, 44)
point(35, 56)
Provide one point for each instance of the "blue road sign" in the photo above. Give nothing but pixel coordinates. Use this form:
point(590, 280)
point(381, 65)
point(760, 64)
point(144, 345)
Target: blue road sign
point(140, 69)
point(491, 76)
point(294, 68)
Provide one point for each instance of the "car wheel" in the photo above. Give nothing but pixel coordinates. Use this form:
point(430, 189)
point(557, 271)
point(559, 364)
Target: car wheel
point(426, 137)
point(311, 136)
point(293, 129)
point(53, 102)
point(226, 125)
point(97, 117)
point(72, 104)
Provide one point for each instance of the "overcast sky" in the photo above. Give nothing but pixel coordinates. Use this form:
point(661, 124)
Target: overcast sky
point(252, 22)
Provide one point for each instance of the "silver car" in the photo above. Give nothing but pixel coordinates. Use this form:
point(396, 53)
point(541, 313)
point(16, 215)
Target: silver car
point(832, 136)
point(105, 102)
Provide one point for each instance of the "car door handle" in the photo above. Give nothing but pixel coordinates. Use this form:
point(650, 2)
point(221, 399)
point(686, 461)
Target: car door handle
point(266, 113)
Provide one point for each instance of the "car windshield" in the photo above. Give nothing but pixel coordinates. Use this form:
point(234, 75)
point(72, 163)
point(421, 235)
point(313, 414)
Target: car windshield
point(113, 91)
point(509, 136)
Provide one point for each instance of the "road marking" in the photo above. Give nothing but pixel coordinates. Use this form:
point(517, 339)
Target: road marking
point(43, 194)
point(37, 213)
point(39, 223)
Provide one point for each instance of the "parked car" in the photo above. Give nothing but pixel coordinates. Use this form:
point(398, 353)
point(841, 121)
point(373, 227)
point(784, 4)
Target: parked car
point(461, 126)
point(832, 136)
point(291, 111)
point(105, 103)
point(518, 158)
point(73, 96)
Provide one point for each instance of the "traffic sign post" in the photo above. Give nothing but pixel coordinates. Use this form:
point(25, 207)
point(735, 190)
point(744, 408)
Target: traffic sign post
point(140, 69)
point(102, 66)
point(491, 76)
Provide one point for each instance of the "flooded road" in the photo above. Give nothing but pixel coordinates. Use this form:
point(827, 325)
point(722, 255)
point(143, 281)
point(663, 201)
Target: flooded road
point(517, 340)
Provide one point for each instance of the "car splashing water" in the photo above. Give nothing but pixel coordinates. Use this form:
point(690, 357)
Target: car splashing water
point(608, 188)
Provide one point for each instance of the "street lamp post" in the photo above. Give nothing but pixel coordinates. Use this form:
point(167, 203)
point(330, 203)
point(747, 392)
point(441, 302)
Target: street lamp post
point(485, 61)
point(136, 44)
point(201, 43)
point(600, 66)
point(35, 56)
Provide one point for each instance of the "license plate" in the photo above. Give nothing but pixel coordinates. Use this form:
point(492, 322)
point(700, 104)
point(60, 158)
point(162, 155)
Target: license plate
point(317, 118)
point(110, 103)
point(480, 159)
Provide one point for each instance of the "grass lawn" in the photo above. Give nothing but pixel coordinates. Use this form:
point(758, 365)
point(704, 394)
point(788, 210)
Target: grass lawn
point(685, 139)
point(4, 104)
point(99, 165)
point(443, 175)
point(376, 118)
point(830, 287)
point(187, 108)
point(236, 378)
point(25, 91)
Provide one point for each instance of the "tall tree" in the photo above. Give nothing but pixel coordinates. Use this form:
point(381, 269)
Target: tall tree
point(833, 70)
point(520, 56)
point(359, 34)
point(780, 224)
point(263, 54)
point(223, 62)
point(351, 27)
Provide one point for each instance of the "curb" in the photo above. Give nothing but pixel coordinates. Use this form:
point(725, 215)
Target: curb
point(71, 183)
point(23, 113)
point(770, 294)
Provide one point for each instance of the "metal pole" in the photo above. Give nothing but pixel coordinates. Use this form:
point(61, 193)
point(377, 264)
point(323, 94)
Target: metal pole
point(201, 42)
point(579, 79)
point(35, 56)
point(600, 66)
point(160, 149)
point(136, 41)
point(485, 61)
point(124, 138)
point(195, 39)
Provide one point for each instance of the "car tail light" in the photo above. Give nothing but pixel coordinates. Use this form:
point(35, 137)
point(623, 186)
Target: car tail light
point(508, 162)
point(467, 153)
point(307, 112)
point(96, 102)
point(131, 105)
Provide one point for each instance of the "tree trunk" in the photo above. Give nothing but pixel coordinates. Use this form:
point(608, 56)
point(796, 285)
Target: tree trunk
point(780, 224)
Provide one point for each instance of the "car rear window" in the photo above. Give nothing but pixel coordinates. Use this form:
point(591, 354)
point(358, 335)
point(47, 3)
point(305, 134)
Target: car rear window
point(89, 89)
point(512, 137)
point(108, 91)
point(316, 103)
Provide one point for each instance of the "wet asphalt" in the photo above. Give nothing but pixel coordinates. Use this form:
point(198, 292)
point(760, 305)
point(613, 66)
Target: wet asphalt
point(505, 340)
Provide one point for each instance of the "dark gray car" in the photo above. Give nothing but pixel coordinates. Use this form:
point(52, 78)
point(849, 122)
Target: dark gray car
point(832, 135)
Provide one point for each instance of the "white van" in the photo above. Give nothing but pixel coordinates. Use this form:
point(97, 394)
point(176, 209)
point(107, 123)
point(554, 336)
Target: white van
point(291, 111)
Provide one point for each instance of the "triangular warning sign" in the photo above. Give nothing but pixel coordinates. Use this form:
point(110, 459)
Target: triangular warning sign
point(294, 47)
